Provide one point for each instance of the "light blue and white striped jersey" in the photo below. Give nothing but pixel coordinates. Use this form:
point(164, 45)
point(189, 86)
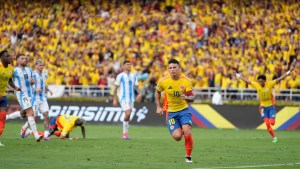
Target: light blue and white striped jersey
point(21, 79)
point(126, 83)
point(40, 82)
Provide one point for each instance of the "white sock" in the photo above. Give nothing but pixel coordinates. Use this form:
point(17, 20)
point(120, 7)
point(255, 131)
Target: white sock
point(125, 126)
point(13, 115)
point(28, 132)
point(33, 126)
point(1, 144)
point(25, 126)
point(46, 133)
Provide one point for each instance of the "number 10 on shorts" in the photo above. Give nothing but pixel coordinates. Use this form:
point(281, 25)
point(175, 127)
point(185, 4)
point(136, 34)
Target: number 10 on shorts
point(171, 121)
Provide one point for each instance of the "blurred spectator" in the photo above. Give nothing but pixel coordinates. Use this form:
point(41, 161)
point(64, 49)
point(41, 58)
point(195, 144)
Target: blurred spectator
point(149, 91)
point(80, 41)
point(217, 97)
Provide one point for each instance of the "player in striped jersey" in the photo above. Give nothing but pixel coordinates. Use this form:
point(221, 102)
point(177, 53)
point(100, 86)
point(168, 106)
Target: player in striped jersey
point(6, 72)
point(40, 104)
point(23, 78)
point(125, 85)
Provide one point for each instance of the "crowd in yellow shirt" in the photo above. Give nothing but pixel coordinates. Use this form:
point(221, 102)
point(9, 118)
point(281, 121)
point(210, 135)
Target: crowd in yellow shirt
point(84, 41)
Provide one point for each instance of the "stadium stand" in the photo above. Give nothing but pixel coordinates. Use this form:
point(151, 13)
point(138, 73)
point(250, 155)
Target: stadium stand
point(85, 42)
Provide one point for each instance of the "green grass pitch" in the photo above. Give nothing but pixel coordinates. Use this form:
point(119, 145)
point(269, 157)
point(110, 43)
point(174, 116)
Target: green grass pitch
point(151, 147)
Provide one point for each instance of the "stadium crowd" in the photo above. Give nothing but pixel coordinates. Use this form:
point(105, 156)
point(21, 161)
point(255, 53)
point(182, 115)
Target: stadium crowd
point(85, 42)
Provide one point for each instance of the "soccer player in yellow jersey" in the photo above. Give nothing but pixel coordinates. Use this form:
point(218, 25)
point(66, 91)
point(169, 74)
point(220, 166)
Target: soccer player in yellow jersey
point(6, 73)
point(264, 92)
point(62, 125)
point(178, 93)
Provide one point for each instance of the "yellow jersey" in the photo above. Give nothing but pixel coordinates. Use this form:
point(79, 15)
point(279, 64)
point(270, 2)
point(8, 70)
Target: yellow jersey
point(66, 123)
point(265, 93)
point(5, 75)
point(173, 89)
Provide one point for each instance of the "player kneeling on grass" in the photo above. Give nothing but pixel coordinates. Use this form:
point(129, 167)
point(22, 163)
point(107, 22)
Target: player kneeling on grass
point(62, 125)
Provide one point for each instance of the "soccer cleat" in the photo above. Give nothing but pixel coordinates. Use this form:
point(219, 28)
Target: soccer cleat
point(126, 137)
point(274, 140)
point(39, 139)
point(188, 159)
point(1, 145)
point(47, 138)
point(23, 133)
point(26, 133)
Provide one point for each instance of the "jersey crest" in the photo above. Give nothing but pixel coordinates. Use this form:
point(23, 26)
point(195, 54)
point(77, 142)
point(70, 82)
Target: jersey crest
point(182, 87)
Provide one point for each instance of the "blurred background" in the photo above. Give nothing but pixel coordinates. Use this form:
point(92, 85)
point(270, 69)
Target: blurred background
point(84, 42)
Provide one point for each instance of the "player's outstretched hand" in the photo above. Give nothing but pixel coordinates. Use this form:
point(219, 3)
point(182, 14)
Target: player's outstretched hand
point(292, 67)
point(74, 138)
point(159, 111)
point(236, 74)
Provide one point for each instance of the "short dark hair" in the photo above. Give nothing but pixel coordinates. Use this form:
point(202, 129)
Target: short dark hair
point(263, 77)
point(18, 55)
point(126, 61)
point(2, 53)
point(79, 122)
point(173, 61)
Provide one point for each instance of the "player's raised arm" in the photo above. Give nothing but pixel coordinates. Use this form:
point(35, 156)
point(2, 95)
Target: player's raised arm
point(239, 76)
point(292, 67)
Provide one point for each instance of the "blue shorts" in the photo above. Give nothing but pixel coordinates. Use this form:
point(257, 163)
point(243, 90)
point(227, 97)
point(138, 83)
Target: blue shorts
point(3, 102)
point(52, 123)
point(268, 112)
point(177, 119)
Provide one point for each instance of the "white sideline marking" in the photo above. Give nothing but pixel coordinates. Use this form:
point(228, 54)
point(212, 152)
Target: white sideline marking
point(254, 166)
